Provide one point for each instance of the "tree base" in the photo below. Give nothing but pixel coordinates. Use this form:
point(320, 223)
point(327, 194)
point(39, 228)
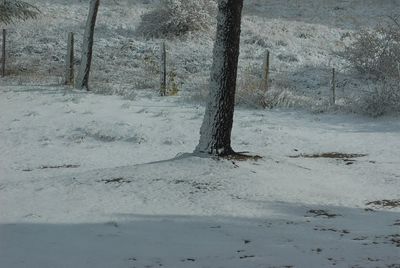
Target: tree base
point(229, 155)
point(241, 156)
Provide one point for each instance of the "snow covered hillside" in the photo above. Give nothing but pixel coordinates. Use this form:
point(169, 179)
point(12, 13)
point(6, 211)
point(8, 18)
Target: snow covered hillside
point(304, 38)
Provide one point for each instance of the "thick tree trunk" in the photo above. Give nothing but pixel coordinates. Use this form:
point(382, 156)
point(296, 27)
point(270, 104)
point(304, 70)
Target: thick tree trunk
point(215, 132)
point(82, 81)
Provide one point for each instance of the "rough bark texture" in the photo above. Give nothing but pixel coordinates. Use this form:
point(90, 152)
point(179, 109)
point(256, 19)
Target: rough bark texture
point(215, 132)
point(82, 81)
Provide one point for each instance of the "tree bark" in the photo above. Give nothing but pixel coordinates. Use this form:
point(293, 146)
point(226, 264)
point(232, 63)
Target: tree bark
point(82, 81)
point(215, 132)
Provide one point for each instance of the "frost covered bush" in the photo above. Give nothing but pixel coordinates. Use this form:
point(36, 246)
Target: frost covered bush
point(251, 93)
point(384, 98)
point(12, 10)
point(177, 17)
point(377, 52)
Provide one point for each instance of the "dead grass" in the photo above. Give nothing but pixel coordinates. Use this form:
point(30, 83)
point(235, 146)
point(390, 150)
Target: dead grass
point(385, 203)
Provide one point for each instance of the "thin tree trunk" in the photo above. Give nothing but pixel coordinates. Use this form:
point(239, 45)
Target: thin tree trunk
point(215, 132)
point(82, 81)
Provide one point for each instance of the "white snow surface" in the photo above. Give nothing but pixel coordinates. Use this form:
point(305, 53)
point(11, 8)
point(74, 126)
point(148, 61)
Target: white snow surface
point(90, 180)
point(100, 181)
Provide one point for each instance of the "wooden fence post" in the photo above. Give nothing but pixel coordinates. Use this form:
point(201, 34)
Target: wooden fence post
point(163, 70)
point(265, 77)
point(333, 86)
point(398, 69)
point(69, 68)
point(3, 54)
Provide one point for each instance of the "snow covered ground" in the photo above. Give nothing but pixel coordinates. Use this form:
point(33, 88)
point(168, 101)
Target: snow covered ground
point(90, 180)
point(100, 181)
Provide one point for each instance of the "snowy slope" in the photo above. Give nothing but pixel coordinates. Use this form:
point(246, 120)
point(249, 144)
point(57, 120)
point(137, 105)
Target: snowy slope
point(93, 181)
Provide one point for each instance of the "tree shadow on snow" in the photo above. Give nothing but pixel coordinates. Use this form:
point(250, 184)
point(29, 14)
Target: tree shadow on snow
point(288, 235)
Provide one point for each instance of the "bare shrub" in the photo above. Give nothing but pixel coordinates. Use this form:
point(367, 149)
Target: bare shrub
point(280, 97)
point(13, 10)
point(250, 92)
point(384, 98)
point(177, 17)
point(377, 52)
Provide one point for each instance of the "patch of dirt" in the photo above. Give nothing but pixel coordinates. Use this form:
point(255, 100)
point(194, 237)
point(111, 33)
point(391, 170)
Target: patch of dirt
point(188, 259)
point(341, 232)
point(394, 239)
point(347, 158)
point(53, 167)
point(349, 161)
point(360, 238)
point(202, 187)
point(318, 250)
point(335, 155)
point(246, 256)
point(118, 180)
point(395, 265)
point(242, 157)
point(385, 203)
point(321, 213)
point(61, 166)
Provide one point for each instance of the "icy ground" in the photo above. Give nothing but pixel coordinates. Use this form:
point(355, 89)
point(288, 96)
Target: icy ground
point(83, 183)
